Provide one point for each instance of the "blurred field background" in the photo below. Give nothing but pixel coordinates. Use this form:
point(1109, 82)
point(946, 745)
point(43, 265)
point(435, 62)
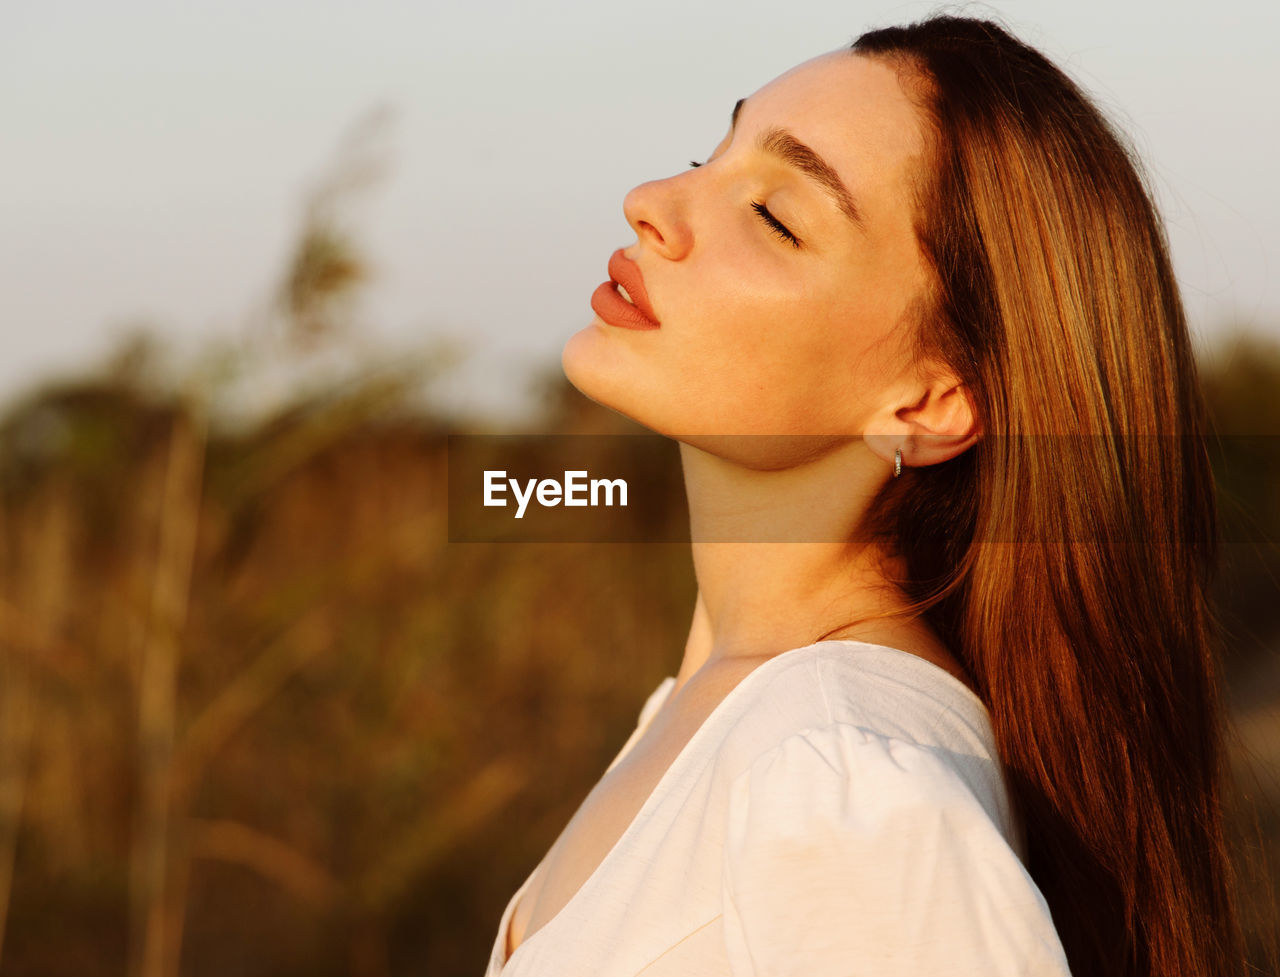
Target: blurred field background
point(259, 717)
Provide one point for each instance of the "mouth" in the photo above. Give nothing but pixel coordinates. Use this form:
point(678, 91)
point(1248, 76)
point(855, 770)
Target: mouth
point(622, 300)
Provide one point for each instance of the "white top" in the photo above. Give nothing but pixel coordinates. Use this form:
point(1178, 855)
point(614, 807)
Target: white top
point(840, 812)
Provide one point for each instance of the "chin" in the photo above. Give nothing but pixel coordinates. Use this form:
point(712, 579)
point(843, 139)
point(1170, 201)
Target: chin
point(586, 367)
point(579, 361)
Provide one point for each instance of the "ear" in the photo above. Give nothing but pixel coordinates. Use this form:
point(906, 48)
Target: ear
point(931, 421)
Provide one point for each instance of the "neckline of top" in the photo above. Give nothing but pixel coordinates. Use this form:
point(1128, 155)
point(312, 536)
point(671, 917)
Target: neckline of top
point(681, 758)
point(939, 673)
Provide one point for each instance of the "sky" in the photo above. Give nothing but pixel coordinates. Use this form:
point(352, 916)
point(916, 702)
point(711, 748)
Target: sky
point(156, 158)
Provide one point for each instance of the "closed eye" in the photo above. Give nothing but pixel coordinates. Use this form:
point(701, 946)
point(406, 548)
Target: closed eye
point(778, 227)
point(775, 225)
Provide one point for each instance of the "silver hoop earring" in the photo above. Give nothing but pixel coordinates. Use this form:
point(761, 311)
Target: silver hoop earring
point(897, 462)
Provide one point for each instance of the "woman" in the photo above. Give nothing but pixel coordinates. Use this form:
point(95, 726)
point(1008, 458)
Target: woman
point(949, 702)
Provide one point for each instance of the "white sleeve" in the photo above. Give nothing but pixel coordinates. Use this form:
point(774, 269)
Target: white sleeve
point(849, 854)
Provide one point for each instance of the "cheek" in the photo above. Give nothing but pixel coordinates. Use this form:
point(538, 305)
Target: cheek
point(794, 358)
point(767, 370)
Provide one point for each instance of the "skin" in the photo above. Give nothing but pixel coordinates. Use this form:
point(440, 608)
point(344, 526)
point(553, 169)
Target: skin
point(806, 351)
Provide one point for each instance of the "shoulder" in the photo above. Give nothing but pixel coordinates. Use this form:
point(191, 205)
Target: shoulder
point(826, 697)
point(844, 845)
point(857, 784)
point(891, 691)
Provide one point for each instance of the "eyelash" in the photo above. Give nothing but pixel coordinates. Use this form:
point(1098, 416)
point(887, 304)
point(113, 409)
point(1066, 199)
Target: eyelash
point(776, 225)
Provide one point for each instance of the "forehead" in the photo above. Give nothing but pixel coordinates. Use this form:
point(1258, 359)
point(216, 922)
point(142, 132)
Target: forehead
point(853, 111)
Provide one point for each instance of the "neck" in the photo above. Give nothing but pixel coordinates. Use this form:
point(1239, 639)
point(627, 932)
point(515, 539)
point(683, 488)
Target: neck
point(778, 556)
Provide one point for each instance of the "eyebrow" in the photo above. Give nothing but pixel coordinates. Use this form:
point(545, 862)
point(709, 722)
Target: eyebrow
point(791, 151)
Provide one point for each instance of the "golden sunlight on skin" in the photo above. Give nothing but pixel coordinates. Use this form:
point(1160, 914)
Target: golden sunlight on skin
point(759, 336)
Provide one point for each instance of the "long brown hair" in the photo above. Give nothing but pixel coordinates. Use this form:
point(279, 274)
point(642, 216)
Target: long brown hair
point(1066, 558)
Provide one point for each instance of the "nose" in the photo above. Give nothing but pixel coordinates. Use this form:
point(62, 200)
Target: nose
point(657, 212)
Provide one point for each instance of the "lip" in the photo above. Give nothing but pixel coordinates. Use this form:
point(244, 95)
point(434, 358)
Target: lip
point(609, 304)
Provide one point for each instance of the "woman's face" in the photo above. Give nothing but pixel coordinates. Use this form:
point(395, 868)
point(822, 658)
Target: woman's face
point(779, 271)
